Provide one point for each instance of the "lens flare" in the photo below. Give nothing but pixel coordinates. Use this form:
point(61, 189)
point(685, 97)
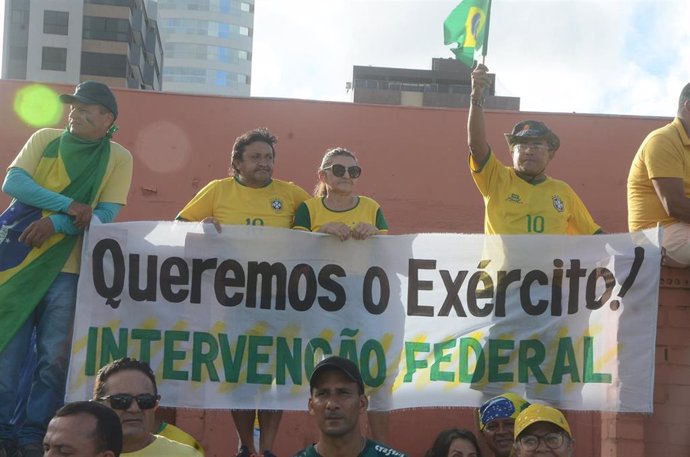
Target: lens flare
point(38, 106)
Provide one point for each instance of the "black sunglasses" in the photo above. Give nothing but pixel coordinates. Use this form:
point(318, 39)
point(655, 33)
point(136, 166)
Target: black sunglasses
point(124, 401)
point(339, 170)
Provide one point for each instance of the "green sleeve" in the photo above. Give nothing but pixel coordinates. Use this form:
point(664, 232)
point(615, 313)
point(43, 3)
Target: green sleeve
point(381, 223)
point(302, 218)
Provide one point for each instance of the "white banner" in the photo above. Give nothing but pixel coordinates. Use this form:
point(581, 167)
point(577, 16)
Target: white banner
point(239, 319)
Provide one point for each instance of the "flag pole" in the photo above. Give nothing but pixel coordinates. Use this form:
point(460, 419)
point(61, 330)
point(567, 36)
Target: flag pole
point(485, 45)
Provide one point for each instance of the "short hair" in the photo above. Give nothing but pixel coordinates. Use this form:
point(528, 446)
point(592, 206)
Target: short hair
point(121, 365)
point(684, 97)
point(247, 138)
point(320, 189)
point(444, 439)
point(108, 432)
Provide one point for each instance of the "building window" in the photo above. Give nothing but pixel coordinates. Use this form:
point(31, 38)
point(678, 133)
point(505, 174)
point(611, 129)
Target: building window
point(203, 76)
point(55, 22)
point(54, 59)
point(201, 27)
point(100, 64)
point(213, 6)
point(205, 53)
point(106, 29)
point(126, 3)
point(221, 78)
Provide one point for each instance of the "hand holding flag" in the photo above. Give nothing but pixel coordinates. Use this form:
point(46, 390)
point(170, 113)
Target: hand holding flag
point(480, 82)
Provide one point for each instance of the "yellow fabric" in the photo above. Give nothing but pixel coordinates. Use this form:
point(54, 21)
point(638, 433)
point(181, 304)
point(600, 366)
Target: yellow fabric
point(514, 206)
point(177, 434)
point(540, 413)
point(665, 153)
point(163, 446)
point(235, 204)
point(365, 211)
point(51, 175)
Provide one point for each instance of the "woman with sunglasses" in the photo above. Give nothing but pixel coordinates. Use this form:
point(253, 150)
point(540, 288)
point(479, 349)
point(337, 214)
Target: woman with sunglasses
point(335, 209)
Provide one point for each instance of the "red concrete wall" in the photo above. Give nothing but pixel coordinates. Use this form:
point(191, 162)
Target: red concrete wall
point(415, 165)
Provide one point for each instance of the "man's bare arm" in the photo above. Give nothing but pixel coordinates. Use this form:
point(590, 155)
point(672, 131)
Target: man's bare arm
point(671, 193)
point(476, 133)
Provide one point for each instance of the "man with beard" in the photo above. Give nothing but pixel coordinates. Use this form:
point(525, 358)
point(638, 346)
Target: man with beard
point(250, 196)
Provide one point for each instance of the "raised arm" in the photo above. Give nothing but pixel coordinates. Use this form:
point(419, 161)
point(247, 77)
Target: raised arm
point(476, 133)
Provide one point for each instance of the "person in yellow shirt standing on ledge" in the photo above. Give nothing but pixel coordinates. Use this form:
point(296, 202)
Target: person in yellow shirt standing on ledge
point(659, 184)
point(250, 196)
point(335, 209)
point(521, 199)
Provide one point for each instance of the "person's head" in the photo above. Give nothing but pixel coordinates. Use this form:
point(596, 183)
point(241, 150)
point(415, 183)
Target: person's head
point(532, 146)
point(455, 442)
point(497, 420)
point(543, 430)
point(253, 157)
point(83, 429)
point(128, 386)
point(684, 103)
point(93, 110)
point(338, 172)
point(337, 398)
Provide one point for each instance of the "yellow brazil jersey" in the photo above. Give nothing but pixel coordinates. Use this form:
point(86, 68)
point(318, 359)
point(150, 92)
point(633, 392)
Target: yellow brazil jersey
point(176, 434)
point(312, 214)
point(665, 153)
point(233, 203)
point(514, 206)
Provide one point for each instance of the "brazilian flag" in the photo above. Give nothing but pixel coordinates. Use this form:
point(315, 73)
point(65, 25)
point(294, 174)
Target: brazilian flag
point(73, 167)
point(467, 25)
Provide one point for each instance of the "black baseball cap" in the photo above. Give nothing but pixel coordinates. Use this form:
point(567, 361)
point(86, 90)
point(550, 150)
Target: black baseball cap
point(532, 130)
point(345, 366)
point(91, 93)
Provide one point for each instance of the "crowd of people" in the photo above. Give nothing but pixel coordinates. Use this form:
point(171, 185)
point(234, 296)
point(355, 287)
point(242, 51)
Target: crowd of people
point(62, 178)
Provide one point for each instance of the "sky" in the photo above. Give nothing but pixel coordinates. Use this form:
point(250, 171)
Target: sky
point(585, 56)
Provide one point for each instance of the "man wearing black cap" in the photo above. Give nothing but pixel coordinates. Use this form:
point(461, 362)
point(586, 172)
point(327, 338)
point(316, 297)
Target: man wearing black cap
point(521, 199)
point(58, 180)
point(337, 401)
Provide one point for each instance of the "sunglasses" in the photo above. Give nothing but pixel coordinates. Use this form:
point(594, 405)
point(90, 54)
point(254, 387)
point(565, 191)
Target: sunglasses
point(124, 401)
point(339, 170)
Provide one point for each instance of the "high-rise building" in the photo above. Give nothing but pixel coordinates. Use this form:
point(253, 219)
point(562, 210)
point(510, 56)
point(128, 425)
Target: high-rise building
point(68, 41)
point(447, 84)
point(208, 45)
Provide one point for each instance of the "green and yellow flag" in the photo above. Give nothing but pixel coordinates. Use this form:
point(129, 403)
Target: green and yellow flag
point(74, 167)
point(467, 25)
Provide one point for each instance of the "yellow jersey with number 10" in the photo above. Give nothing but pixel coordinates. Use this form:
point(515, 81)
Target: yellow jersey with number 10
point(515, 206)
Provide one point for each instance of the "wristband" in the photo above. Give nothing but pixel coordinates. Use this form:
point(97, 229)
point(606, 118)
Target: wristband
point(478, 102)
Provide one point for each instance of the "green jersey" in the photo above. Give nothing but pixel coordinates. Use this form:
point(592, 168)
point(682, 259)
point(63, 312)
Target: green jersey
point(371, 449)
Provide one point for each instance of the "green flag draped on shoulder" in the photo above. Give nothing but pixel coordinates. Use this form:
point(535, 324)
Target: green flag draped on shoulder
point(466, 25)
